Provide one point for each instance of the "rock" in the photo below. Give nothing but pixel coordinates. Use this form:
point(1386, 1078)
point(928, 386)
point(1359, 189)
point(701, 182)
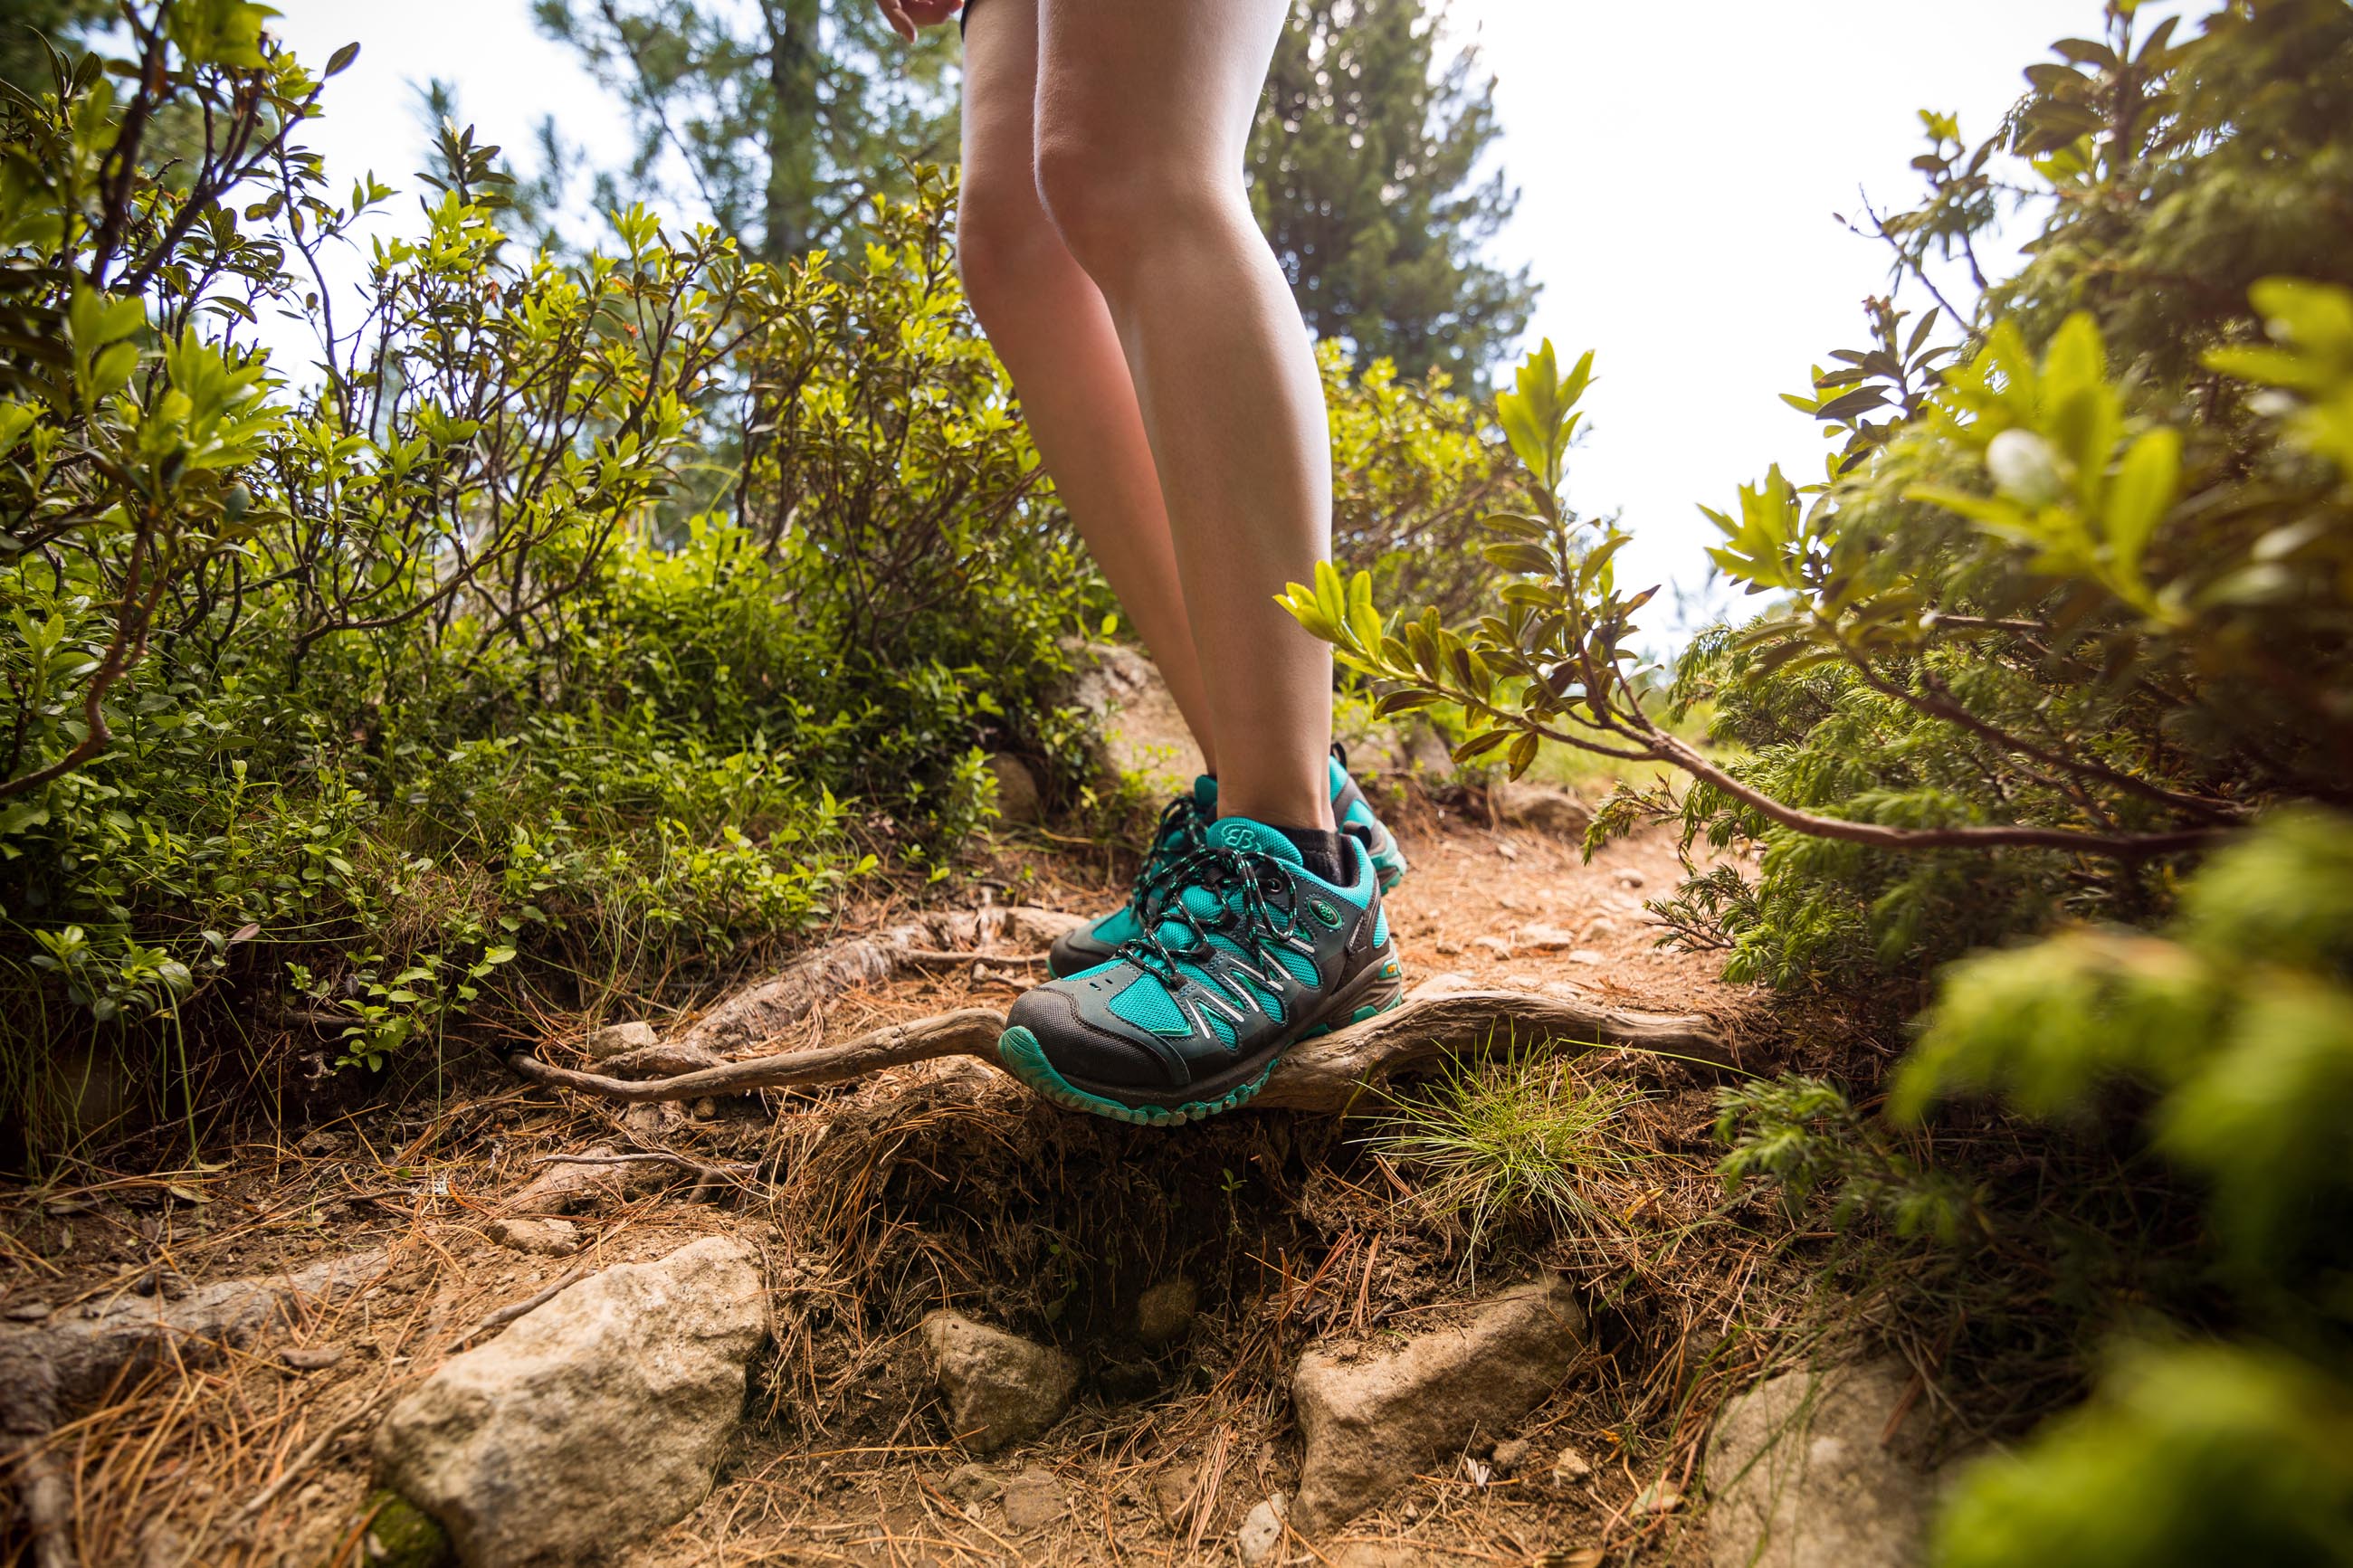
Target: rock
point(1660, 1497)
point(1034, 1499)
point(1586, 956)
point(972, 1483)
point(613, 1038)
point(1540, 808)
point(1802, 1479)
point(1509, 1457)
point(571, 1188)
point(1261, 1530)
point(311, 1358)
point(1601, 928)
point(594, 1420)
point(1142, 732)
point(540, 1238)
point(1627, 876)
point(1499, 946)
point(1163, 1314)
point(1172, 1494)
point(1571, 1468)
point(402, 1535)
point(1547, 939)
point(1018, 797)
point(1001, 1388)
point(1374, 1418)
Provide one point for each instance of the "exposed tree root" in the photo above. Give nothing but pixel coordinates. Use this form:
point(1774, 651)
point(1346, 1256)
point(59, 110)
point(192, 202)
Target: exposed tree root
point(1441, 1018)
point(47, 1368)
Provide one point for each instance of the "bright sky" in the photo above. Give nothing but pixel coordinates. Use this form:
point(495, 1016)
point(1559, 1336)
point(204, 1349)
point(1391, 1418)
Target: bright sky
point(1679, 167)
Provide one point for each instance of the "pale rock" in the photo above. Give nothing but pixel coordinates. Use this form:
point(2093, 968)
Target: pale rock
point(1547, 939)
point(1540, 808)
point(593, 1421)
point(1140, 731)
point(1374, 1416)
point(1586, 956)
point(1509, 1457)
point(1571, 1468)
point(540, 1238)
point(1627, 876)
point(1500, 947)
point(613, 1038)
point(1034, 1499)
point(1802, 1480)
point(1001, 1388)
point(1261, 1531)
point(972, 1483)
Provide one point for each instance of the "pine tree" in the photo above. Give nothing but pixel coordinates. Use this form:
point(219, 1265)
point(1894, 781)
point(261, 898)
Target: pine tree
point(787, 116)
point(1365, 168)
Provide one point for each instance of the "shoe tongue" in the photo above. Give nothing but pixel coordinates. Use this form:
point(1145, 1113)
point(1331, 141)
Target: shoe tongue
point(1241, 833)
point(1205, 792)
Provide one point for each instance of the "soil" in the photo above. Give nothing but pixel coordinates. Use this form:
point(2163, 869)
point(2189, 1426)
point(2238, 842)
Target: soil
point(946, 1184)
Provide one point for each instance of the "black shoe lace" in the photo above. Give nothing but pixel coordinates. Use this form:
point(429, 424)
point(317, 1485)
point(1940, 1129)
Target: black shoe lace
point(1244, 886)
point(1179, 833)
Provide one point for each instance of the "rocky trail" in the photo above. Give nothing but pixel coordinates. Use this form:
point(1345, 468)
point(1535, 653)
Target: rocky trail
point(802, 1280)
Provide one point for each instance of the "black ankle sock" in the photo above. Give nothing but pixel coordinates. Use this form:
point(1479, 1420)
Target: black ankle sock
point(1321, 851)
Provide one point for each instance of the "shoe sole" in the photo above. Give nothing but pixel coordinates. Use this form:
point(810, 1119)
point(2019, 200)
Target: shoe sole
point(1025, 1058)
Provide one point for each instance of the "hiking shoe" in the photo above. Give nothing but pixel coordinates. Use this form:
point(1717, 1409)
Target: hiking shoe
point(1247, 954)
point(1179, 834)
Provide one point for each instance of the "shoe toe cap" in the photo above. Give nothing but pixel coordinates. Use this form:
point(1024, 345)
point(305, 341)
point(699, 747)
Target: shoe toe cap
point(1081, 1051)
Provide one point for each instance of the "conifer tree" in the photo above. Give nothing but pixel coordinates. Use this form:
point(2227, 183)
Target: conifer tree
point(787, 117)
point(1369, 170)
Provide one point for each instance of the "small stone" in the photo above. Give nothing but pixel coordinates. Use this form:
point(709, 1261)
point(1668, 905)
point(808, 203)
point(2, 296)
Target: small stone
point(1375, 1418)
point(311, 1358)
point(1446, 949)
point(540, 1237)
point(1627, 876)
point(1001, 1388)
point(1571, 1468)
point(29, 1312)
point(318, 1143)
point(1172, 1492)
point(1499, 946)
point(1586, 956)
point(705, 1109)
point(1542, 808)
point(1261, 1530)
point(1547, 939)
point(592, 1421)
point(1034, 1499)
point(972, 1483)
point(1601, 928)
point(1506, 851)
point(1660, 1497)
point(1018, 798)
point(613, 1038)
point(1163, 1314)
point(1509, 1457)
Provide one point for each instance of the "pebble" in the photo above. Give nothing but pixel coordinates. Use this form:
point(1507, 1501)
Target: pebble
point(1586, 955)
point(1261, 1530)
point(1547, 939)
point(311, 1358)
point(1494, 945)
point(972, 1483)
point(1571, 1468)
point(1034, 1499)
point(1509, 1457)
point(1627, 876)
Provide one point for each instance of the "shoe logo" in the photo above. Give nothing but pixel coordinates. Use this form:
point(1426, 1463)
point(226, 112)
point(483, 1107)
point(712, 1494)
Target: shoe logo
point(1325, 913)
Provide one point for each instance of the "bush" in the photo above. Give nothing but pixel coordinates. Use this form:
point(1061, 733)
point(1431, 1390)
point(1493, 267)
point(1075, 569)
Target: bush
point(571, 623)
point(2059, 643)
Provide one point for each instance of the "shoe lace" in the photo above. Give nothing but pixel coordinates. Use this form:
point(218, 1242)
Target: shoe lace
point(1175, 838)
point(1255, 904)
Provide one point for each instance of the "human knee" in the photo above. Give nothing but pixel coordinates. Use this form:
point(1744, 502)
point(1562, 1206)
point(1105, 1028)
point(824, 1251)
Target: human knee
point(1112, 210)
point(1004, 245)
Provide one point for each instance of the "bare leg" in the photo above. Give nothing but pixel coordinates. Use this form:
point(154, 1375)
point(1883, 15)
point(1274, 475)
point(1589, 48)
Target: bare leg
point(1144, 109)
point(1048, 322)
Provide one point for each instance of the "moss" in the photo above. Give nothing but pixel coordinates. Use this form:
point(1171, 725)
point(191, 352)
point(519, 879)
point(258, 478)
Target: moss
point(402, 1535)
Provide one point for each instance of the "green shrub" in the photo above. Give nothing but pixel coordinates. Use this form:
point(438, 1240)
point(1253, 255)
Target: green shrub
point(572, 622)
point(2057, 646)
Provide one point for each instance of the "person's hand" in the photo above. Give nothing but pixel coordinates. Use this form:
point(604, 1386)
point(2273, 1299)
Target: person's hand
point(906, 16)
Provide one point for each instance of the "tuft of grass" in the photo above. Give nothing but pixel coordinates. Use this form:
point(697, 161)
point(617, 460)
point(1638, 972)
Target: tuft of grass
point(1522, 1137)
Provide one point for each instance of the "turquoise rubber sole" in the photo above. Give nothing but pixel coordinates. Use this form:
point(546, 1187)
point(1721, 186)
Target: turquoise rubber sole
point(1389, 864)
point(1025, 1058)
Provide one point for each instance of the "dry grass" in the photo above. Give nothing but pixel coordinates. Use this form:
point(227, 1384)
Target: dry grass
point(936, 1185)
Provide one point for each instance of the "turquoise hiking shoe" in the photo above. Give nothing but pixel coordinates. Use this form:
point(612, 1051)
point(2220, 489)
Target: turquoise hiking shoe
point(1248, 953)
point(1179, 834)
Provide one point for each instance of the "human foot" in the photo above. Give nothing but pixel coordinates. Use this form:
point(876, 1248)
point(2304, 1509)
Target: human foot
point(1179, 832)
point(1248, 954)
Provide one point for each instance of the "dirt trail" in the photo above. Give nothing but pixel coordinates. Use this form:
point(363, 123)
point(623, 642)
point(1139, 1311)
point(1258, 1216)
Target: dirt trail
point(942, 1183)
